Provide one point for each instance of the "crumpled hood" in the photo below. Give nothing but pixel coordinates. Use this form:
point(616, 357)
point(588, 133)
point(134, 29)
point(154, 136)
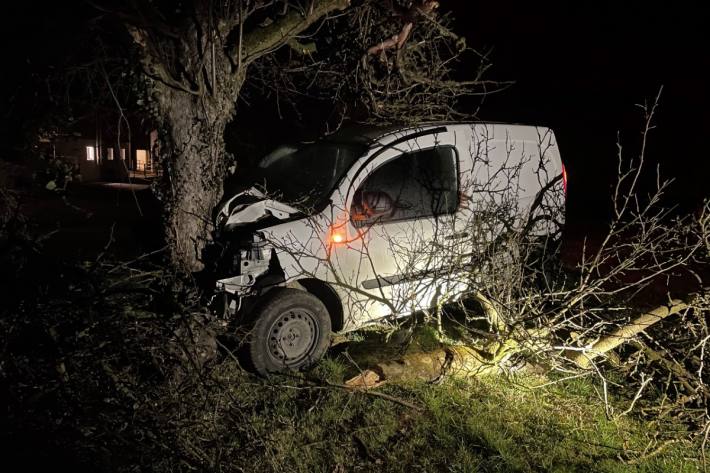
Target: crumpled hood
point(249, 207)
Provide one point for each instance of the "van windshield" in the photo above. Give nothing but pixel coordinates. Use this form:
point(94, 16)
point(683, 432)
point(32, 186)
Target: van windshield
point(304, 175)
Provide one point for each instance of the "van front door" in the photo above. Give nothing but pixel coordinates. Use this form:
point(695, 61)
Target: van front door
point(402, 212)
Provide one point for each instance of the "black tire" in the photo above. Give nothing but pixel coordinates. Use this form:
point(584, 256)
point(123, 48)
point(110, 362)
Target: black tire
point(288, 331)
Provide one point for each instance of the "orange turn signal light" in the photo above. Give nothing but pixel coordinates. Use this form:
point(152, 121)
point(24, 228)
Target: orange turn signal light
point(337, 237)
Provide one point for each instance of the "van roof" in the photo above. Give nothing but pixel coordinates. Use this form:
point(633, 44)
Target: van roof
point(365, 134)
point(362, 133)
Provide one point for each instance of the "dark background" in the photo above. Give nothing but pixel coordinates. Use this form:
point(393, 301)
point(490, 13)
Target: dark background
point(581, 67)
point(578, 68)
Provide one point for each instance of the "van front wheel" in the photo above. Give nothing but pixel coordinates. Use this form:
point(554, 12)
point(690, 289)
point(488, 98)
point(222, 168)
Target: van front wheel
point(290, 330)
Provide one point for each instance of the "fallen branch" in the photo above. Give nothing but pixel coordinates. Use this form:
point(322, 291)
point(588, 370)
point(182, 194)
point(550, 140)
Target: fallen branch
point(456, 361)
point(384, 396)
point(680, 373)
point(365, 391)
point(625, 333)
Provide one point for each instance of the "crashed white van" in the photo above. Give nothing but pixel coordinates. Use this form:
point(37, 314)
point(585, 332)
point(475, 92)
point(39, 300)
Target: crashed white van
point(371, 223)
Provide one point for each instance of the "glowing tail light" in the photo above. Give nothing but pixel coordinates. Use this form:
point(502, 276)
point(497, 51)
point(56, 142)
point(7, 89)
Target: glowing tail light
point(564, 178)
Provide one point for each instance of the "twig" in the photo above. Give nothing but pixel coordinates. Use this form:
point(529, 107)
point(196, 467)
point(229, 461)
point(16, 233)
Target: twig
point(644, 382)
point(128, 263)
point(653, 453)
point(107, 245)
point(703, 445)
point(365, 391)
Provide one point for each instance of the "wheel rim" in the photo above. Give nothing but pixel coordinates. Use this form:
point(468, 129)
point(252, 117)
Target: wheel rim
point(292, 337)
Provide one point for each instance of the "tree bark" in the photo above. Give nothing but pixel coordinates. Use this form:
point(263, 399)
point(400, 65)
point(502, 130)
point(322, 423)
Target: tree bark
point(193, 130)
point(195, 80)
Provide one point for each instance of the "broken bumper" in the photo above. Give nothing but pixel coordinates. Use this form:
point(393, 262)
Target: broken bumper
point(249, 264)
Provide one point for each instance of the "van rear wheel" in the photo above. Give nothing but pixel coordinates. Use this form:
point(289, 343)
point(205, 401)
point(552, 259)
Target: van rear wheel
point(290, 330)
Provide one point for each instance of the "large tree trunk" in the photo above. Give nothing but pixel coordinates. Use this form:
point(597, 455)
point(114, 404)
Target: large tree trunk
point(194, 168)
point(196, 67)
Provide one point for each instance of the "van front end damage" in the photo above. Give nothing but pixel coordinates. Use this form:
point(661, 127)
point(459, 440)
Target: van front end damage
point(254, 269)
point(246, 264)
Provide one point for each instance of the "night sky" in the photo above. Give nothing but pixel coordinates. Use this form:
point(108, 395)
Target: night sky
point(582, 67)
point(579, 69)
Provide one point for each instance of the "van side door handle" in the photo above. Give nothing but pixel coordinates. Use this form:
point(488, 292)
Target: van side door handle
point(456, 236)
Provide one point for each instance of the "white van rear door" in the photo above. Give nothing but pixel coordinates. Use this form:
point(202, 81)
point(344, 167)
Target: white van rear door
point(510, 178)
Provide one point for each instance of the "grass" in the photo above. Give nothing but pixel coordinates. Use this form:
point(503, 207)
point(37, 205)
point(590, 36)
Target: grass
point(127, 403)
point(300, 424)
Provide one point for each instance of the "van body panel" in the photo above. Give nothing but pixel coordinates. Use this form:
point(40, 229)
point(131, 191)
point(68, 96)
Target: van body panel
point(398, 266)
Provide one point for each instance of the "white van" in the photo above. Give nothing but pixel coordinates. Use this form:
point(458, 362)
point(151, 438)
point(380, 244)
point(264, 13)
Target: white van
point(371, 223)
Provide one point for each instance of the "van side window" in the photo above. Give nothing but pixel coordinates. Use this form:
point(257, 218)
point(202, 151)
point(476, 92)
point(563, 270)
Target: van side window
point(413, 185)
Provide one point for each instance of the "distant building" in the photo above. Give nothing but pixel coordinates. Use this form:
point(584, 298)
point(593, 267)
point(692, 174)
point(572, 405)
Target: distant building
point(100, 159)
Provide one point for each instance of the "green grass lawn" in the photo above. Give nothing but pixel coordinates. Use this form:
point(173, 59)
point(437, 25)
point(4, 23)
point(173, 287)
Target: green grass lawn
point(301, 424)
point(125, 402)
